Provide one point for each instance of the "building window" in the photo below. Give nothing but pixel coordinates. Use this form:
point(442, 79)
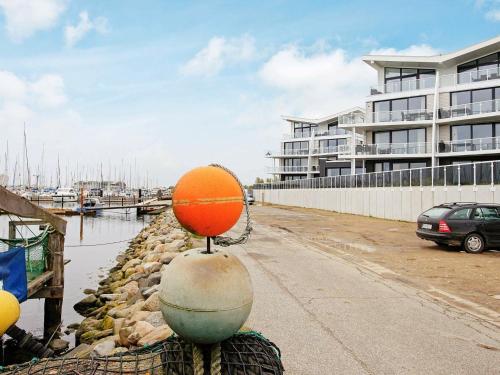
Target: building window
point(296, 148)
point(398, 165)
point(475, 137)
point(330, 145)
point(338, 171)
point(470, 102)
point(333, 129)
point(301, 130)
point(400, 136)
point(405, 79)
point(487, 67)
point(406, 109)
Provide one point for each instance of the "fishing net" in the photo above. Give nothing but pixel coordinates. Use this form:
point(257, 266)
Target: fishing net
point(35, 250)
point(246, 353)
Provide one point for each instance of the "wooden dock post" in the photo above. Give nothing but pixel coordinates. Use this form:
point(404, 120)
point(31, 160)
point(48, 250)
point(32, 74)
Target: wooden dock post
point(54, 300)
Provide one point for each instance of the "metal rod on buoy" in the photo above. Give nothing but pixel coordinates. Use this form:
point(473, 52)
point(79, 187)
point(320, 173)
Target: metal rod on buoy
point(208, 245)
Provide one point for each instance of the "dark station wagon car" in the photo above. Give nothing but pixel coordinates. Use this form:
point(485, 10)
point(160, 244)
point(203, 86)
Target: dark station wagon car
point(474, 226)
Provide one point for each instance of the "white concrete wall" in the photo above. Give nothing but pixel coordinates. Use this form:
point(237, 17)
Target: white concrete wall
point(388, 203)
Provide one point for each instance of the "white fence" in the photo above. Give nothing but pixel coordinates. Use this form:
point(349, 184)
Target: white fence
point(401, 201)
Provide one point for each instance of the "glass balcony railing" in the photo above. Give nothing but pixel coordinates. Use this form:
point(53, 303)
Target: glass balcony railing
point(402, 86)
point(401, 116)
point(352, 119)
point(469, 77)
point(289, 169)
point(415, 148)
point(295, 152)
point(470, 109)
point(326, 150)
point(326, 133)
point(466, 145)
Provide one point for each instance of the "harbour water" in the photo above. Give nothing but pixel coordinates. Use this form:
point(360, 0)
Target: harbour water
point(104, 237)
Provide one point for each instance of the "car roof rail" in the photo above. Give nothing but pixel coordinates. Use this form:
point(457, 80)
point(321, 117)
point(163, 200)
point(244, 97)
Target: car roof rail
point(458, 203)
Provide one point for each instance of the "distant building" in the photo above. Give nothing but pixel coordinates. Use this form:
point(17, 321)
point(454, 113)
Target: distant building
point(105, 185)
point(316, 148)
point(432, 110)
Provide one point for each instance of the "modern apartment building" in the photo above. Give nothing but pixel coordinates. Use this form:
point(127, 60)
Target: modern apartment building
point(431, 110)
point(311, 148)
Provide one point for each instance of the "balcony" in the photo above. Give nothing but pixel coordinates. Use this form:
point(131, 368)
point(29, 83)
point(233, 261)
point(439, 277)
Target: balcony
point(416, 148)
point(470, 145)
point(352, 119)
point(326, 133)
point(469, 77)
point(411, 115)
point(284, 153)
point(470, 109)
point(325, 150)
point(293, 169)
point(403, 86)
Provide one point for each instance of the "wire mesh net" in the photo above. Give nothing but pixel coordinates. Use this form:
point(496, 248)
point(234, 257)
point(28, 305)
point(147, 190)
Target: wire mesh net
point(35, 251)
point(243, 354)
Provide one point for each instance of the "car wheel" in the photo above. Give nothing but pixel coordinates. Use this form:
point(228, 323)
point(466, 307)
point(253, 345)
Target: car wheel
point(474, 243)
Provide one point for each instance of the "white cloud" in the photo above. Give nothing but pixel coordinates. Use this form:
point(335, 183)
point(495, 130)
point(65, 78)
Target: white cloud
point(413, 50)
point(73, 34)
point(317, 83)
point(11, 86)
point(219, 53)
point(49, 90)
point(493, 15)
point(24, 17)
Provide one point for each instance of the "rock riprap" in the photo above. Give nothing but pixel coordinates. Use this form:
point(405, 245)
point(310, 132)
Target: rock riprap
point(124, 312)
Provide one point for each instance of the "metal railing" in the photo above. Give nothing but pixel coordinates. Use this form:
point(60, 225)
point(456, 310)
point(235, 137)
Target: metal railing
point(401, 116)
point(469, 77)
point(474, 144)
point(470, 109)
point(480, 173)
point(325, 150)
point(401, 86)
point(394, 148)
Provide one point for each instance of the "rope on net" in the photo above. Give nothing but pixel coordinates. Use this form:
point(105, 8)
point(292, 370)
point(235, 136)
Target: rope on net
point(226, 240)
point(215, 358)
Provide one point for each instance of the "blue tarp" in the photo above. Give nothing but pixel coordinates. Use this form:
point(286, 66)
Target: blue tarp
point(13, 273)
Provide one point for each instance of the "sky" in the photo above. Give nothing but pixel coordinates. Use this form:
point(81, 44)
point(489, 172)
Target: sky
point(151, 89)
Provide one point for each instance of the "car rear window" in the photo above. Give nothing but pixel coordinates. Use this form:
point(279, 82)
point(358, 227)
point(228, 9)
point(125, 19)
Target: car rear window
point(462, 214)
point(436, 212)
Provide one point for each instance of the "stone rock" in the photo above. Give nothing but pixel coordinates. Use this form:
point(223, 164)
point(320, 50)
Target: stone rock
point(155, 319)
point(81, 351)
point(88, 324)
point(130, 288)
point(152, 303)
point(129, 272)
point(177, 234)
point(58, 345)
point(175, 245)
point(167, 257)
point(117, 325)
point(91, 336)
point(151, 267)
point(158, 334)
point(113, 311)
point(147, 292)
point(104, 348)
point(110, 296)
point(107, 322)
point(121, 258)
point(86, 303)
point(153, 279)
point(89, 291)
point(151, 257)
point(117, 284)
point(138, 315)
point(137, 276)
point(129, 311)
point(123, 335)
point(131, 263)
point(73, 326)
point(140, 329)
point(119, 350)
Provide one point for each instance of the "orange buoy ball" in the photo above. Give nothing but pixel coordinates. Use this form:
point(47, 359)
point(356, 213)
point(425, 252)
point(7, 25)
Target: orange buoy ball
point(207, 201)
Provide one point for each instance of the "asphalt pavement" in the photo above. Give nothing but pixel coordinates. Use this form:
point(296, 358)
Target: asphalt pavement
point(330, 316)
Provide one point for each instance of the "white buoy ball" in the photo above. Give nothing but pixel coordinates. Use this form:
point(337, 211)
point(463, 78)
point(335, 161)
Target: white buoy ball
point(205, 298)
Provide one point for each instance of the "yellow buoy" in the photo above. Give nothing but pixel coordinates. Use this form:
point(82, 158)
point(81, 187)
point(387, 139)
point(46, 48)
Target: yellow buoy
point(9, 311)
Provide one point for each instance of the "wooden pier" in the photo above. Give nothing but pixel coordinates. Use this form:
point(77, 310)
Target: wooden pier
point(50, 284)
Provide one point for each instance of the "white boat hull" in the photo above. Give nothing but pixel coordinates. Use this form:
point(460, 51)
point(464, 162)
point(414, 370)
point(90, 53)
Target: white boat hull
point(64, 198)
